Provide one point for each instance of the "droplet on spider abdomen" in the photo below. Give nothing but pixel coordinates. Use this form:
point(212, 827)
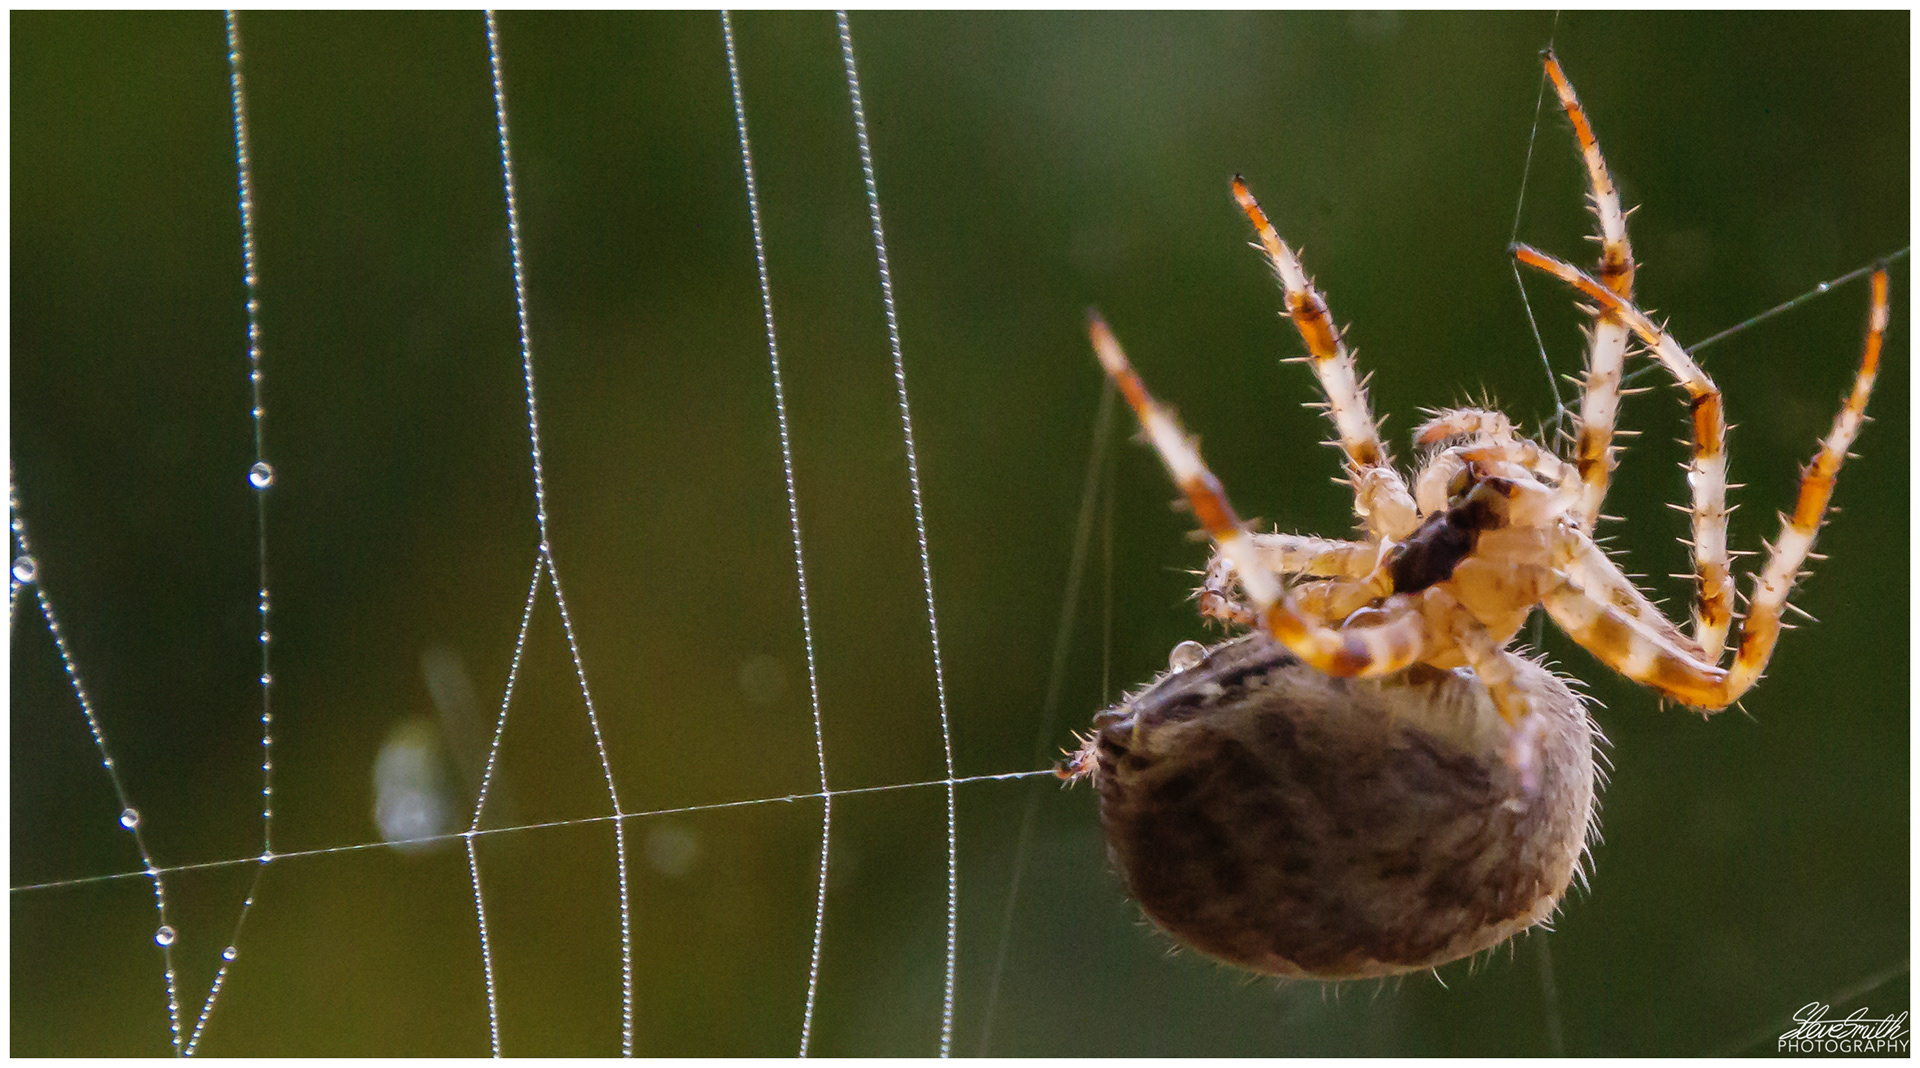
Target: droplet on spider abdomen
point(1296, 824)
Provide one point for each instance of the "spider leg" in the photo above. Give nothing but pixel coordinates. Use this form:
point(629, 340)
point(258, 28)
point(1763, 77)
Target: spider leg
point(1636, 646)
point(1331, 601)
point(1527, 454)
point(1595, 574)
point(1436, 478)
point(1380, 495)
point(1707, 474)
point(1457, 423)
point(1284, 554)
point(1350, 651)
point(1761, 628)
point(1607, 349)
point(1494, 665)
point(1304, 554)
point(1642, 648)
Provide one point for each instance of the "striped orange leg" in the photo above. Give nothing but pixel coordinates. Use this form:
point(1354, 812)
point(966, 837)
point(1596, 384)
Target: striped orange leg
point(1761, 628)
point(1607, 351)
point(1380, 494)
point(1635, 649)
point(1707, 474)
point(1594, 574)
point(1367, 651)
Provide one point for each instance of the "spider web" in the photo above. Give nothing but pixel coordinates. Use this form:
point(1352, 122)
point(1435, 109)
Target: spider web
point(743, 904)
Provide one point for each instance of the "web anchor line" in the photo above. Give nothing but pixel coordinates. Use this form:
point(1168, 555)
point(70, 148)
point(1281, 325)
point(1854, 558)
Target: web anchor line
point(521, 828)
point(547, 563)
point(1098, 462)
point(919, 516)
point(1819, 289)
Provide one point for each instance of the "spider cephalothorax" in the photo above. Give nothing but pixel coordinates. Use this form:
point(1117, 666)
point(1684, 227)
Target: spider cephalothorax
point(1240, 749)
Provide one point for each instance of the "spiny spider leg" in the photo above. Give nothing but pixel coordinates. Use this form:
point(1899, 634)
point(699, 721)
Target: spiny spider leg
point(1284, 554)
point(1375, 650)
point(1713, 613)
point(1305, 554)
point(1435, 485)
point(1595, 574)
point(1463, 423)
point(1607, 350)
point(1762, 624)
point(1380, 495)
point(1628, 646)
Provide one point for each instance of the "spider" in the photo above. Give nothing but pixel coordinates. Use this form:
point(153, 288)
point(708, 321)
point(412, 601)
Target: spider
point(1378, 695)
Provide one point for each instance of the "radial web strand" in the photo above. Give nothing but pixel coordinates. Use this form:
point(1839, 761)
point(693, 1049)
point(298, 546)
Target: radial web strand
point(919, 518)
point(793, 516)
point(480, 806)
point(26, 571)
point(545, 560)
point(260, 478)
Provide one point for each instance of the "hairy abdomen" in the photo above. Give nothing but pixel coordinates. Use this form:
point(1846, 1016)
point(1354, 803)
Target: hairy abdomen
point(1296, 824)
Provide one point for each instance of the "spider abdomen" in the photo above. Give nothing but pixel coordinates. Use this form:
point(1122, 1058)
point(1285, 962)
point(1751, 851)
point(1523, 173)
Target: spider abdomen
point(1297, 824)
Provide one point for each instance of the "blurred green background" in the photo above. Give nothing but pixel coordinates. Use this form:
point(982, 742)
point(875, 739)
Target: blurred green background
point(1029, 165)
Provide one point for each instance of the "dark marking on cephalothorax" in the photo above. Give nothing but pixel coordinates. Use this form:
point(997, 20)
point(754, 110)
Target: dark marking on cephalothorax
point(1430, 554)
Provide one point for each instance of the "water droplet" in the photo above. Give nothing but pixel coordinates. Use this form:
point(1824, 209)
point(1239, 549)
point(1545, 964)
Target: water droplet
point(1821, 288)
point(1186, 655)
point(25, 568)
point(164, 935)
point(266, 680)
point(261, 475)
point(229, 953)
point(129, 818)
point(265, 637)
